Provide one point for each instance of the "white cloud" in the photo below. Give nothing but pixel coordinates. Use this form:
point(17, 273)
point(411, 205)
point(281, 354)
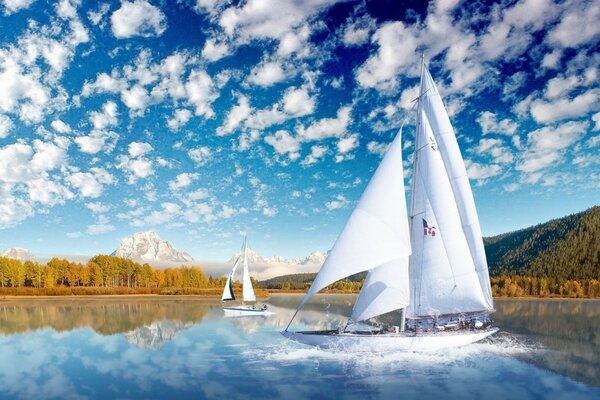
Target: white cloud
point(596, 119)
point(357, 33)
point(201, 92)
point(284, 143)
point(97, 141)
point(490, 124)
point(397, 45)
point(136, 98)
point(137, 149)
point(377, 148)
point(545, 146)
point(327, 127)
point(347, 144)
point(235, 116)
point(578, 26)
point(13, 6)
point(270, 211)
point(481, 172)
point(267, 74)
point(562, 108)
point(561, 86)
point(552, 60)
point(136, 167)
point(214, 50)
point(298, 102)
point(6, 125)
point(137, 18)
point(97, 207)
point(316, 153)
point(106, 118)
point(60, 126)
point(98, 229)
point(91, 184)
point(73, 235)
point(200, 155)
point(182, 181)
point(339, 202)
point(180, 118)
point(104, 83)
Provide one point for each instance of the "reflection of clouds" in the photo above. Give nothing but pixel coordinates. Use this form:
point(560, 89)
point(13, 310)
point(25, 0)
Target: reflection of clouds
point(217, 358)
point(153, 336)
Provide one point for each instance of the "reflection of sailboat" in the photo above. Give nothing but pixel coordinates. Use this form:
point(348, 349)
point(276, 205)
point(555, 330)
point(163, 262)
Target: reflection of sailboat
point(247, 291)
point(443, 286)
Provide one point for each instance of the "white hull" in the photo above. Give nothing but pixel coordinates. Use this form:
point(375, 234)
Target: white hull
point(404, 341)
point(245, 311)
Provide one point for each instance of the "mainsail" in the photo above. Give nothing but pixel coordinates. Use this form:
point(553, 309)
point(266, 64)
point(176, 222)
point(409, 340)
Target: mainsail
point(433, 108)
point(247, 290)
point(443, 273)
point(228, 290)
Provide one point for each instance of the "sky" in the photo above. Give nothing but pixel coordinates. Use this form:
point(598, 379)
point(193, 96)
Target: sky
point(206, 120)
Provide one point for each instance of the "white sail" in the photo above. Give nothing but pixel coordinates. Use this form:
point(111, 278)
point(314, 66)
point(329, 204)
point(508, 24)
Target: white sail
point(443, 276)
point(247, 290)
point(433, 107)
point(376, 232)
point(228, 290)
point(385, 289)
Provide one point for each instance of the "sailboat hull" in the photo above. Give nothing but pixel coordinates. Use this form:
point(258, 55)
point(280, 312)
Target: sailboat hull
point(245, 311)
point(383, 342)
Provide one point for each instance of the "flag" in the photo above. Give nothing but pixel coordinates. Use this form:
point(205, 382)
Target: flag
point(428, 230)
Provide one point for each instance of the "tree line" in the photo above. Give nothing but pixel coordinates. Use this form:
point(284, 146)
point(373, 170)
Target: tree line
point(101, 271)
point(523, 286)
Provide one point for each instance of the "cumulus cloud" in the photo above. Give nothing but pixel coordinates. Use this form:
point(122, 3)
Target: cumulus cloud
point(490, 124)
point(338, 202)
point(97, 141)
point(60, 126)
point(235, 116)
point(137, 18)
point(182, 181)
point(480, 171)
point(214, 50)
point(547, 111)
point(267, 74)
point(6, 125)
point(13, 6)
point(545, 146)
point(327, 127)
point(180, 118)
point(357, 32)
point(284, 143)
point(200, 155)
point(105, 118)
point(578, 25)
point(91, 184)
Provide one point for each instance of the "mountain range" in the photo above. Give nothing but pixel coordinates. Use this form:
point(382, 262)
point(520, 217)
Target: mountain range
point(18, 253)
point(314, 258)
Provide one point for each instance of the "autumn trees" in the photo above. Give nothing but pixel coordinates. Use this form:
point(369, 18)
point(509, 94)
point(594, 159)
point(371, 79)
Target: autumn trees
point(99, 271)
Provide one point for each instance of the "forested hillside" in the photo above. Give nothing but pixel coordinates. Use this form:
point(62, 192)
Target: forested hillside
point(563, 248)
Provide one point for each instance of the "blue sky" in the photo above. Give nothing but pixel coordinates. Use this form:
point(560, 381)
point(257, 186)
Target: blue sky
point(202, 120)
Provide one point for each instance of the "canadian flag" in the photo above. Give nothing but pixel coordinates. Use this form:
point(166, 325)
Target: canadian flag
point(428, 230)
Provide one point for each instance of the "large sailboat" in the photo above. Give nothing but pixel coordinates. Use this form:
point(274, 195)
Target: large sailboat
point(428, 265)
point(247, 290)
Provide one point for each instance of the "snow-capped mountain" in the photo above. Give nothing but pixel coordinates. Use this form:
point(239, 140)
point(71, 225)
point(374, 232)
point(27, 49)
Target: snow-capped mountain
point(148, 246)
point(314, 258)
point(156, 334)
point(18, 253)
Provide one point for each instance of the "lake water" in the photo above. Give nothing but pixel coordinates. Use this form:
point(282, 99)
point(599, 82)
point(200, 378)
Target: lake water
point(152, 348)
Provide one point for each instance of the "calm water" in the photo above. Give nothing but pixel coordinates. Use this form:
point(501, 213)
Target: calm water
point(184, 348)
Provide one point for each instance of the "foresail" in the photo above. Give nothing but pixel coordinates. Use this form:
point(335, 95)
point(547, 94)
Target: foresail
point(443, 277)
point(247, 289)
point(228, 289)
point(385, 289)
point(433, 108)
point(377, 230)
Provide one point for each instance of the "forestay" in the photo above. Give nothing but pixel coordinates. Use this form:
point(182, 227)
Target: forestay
point(376, 232)
point(433, 108)
point(228, 290)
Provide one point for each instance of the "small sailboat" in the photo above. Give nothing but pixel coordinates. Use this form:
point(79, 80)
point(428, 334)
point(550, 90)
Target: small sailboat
point(247, 291)
point(431, 268)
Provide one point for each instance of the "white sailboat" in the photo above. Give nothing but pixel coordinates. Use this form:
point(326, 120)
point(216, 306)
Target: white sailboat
point(433, 268)
point(247, 291)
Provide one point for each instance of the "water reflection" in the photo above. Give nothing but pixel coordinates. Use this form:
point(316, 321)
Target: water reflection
point(182, 348)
